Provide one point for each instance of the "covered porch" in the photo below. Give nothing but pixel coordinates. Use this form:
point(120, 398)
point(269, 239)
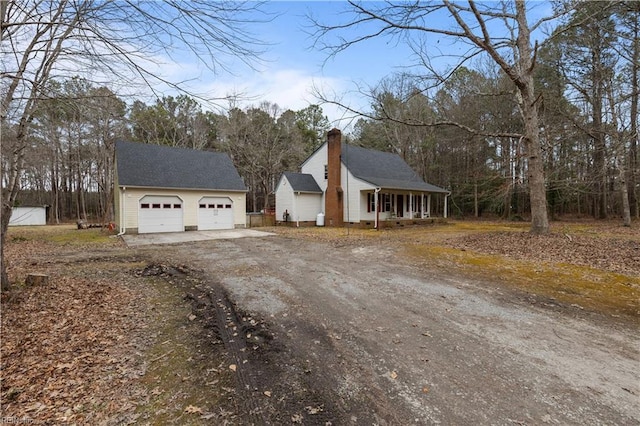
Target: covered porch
point(388, 207)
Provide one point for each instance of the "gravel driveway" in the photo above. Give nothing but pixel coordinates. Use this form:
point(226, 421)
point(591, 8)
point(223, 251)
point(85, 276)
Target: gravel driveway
point(354, 334)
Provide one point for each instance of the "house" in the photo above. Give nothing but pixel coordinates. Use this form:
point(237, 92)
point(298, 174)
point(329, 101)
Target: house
point(23, 216)
point(350, 184)
point(165, 189)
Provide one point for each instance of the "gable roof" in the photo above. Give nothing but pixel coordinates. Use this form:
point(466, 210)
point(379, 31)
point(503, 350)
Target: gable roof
point(158, 166)
point(383, 169)
point(302, 182)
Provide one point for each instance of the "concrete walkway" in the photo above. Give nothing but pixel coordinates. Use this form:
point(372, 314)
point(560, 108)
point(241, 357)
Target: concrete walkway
point(135, 240)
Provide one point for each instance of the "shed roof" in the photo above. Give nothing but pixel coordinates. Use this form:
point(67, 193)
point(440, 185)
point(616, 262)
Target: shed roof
point(158, 166)
point(384, 169)
point(302, 182)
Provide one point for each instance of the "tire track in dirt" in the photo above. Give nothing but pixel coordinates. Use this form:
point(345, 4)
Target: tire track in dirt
point(231, 333)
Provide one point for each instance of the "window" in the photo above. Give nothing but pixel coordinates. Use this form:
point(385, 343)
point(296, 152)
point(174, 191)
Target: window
point(220, 206)
point(155, 206)
point(326, 172)
point(227, 206)
point(177, 206)
point(212, 206)
point(203, 206)
point(386, 202)
point(371, 202)
point(166, 206)
point(144, 206)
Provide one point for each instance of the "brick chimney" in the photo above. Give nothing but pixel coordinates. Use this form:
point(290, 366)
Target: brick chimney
point(333, 200)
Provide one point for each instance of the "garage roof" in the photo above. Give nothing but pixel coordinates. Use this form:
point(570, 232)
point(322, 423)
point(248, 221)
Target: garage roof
point(158, 166)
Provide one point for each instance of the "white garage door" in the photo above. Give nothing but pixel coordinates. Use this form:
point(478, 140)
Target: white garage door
point(215, 213)
point(160, 214)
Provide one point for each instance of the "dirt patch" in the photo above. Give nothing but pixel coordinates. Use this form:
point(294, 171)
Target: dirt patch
point(367, 338)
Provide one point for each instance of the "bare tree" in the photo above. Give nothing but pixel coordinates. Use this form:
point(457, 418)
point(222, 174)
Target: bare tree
point(263, 142)
point(108, 42)
point(498, 30)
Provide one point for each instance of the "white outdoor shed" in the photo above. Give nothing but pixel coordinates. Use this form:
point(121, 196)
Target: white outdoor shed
point(298, 198)
point(167, 189)
point(23, 216)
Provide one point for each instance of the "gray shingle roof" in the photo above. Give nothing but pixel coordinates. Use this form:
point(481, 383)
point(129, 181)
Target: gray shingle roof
point(384, 170)
point(302, 182)
point(158, 166)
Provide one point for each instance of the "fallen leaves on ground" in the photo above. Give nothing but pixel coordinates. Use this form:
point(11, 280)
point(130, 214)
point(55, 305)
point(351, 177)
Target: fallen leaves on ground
point(66, 353)
point(609, 254)
point(192, 409)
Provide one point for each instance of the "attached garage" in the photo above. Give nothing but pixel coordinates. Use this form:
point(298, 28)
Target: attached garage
point(215, 213)
point(160, 214)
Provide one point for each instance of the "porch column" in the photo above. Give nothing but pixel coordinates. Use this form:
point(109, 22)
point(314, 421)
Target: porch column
point(429, 205)
point(375, 203)
point(422, 215)
point(410, 205)
point(445, 205)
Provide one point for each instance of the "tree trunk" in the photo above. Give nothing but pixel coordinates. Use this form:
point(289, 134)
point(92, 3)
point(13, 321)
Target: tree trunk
point(531, 138)
point(36, 280)
point(626, 212)
point(15, 162)
point(632, 169)
point(475, 200)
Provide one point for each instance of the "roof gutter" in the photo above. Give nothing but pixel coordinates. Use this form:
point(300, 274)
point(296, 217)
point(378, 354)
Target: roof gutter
point(188, 189)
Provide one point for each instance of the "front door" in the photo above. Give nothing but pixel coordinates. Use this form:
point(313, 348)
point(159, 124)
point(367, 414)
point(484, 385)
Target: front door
point(399, 205)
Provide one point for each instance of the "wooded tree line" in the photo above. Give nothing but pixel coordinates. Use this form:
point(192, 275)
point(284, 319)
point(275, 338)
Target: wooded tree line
point(465, 131)
point(586, 76)
point(69, 163)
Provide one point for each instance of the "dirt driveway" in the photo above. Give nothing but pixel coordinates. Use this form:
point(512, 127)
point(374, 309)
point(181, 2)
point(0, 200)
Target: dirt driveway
point(337, 334)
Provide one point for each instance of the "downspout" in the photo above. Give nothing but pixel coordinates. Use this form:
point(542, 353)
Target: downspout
point(375, 204)
point(295, 208)
point(123, 210)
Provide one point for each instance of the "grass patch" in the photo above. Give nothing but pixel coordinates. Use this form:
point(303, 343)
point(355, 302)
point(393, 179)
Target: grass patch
point(61, 235)
point(181, 372)
point(589, 288)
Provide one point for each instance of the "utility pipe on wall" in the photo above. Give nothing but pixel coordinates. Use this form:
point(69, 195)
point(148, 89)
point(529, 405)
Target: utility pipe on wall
point(295, 208)
point(123, 211)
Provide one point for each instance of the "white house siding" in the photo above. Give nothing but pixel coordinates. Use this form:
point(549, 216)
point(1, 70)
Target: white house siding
point(353, 196)
point(315, 166)
point(307, 207)
point(130, 201)
point(23, 216)
point(284, 198)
